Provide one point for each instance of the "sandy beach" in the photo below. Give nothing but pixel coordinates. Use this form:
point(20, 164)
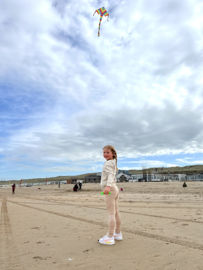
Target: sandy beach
point(56, 228)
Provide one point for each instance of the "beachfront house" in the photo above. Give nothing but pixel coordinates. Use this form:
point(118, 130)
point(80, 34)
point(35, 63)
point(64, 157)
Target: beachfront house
point(123, 171)
point(194, 177)
point(69, 181)
point(73, 181)
point(136, 177)
point(122, 177)
point(92, 178)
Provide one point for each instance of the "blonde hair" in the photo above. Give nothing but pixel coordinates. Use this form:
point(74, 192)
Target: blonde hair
point(110, 147)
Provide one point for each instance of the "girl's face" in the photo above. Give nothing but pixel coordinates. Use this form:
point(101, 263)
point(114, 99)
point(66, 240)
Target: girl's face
point(107, 154)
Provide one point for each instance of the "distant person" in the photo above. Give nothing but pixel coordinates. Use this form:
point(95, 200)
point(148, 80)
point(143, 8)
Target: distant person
point(108, 181)
point(75, 188)
point(80, 185)
point(184, 184)
point(121, 189)
point(13, 188)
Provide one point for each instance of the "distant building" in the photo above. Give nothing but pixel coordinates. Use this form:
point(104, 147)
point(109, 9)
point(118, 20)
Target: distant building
point(69, 181)
point(92, 178)
point(137, 176)
point(123, 171)
point(73, 181)
point(122, 177)
point(194, 177)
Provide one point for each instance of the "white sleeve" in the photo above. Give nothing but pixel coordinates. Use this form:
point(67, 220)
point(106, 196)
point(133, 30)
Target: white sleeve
point(109, 169)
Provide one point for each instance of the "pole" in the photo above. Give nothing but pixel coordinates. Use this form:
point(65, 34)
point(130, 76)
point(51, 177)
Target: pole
point(46, 180)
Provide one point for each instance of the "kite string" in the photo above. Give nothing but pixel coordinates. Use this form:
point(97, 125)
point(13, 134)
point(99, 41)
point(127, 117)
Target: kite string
point(104, 116)
point(104, 133)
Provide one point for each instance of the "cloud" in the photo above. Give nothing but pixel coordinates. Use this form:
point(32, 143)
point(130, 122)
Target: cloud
point(66, 93)
point(196, 162)
point(70, 169)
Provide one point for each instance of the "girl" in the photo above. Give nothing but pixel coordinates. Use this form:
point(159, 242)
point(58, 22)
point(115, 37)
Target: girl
point(108, 180)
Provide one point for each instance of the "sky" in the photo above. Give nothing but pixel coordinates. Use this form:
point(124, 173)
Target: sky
point(65, 93)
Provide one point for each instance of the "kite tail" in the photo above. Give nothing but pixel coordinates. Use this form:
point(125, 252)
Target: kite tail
point(99, 26)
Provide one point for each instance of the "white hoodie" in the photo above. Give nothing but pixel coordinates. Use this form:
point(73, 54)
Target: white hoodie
point(108, 177)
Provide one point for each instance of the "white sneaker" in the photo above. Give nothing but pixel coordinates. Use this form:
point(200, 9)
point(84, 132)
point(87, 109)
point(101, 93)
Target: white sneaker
point(118, 236)
point(107, 241)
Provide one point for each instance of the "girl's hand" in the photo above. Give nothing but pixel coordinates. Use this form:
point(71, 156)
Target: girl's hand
point(107, 190)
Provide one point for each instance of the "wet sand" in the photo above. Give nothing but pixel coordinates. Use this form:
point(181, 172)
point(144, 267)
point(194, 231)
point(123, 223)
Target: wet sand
point(56, 228)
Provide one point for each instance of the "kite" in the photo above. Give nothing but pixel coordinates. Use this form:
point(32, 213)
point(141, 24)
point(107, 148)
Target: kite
point(103, 12)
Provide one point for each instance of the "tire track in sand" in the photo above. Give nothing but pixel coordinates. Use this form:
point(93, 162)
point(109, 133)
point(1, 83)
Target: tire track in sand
point(127, 212)
point(136, 232)
point(140, 214)
point(8, 251)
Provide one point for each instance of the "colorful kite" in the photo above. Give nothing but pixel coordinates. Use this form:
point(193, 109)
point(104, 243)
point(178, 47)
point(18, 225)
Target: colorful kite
point(103, 12)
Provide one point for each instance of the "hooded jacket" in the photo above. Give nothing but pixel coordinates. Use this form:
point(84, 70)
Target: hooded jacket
point(108, 177)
